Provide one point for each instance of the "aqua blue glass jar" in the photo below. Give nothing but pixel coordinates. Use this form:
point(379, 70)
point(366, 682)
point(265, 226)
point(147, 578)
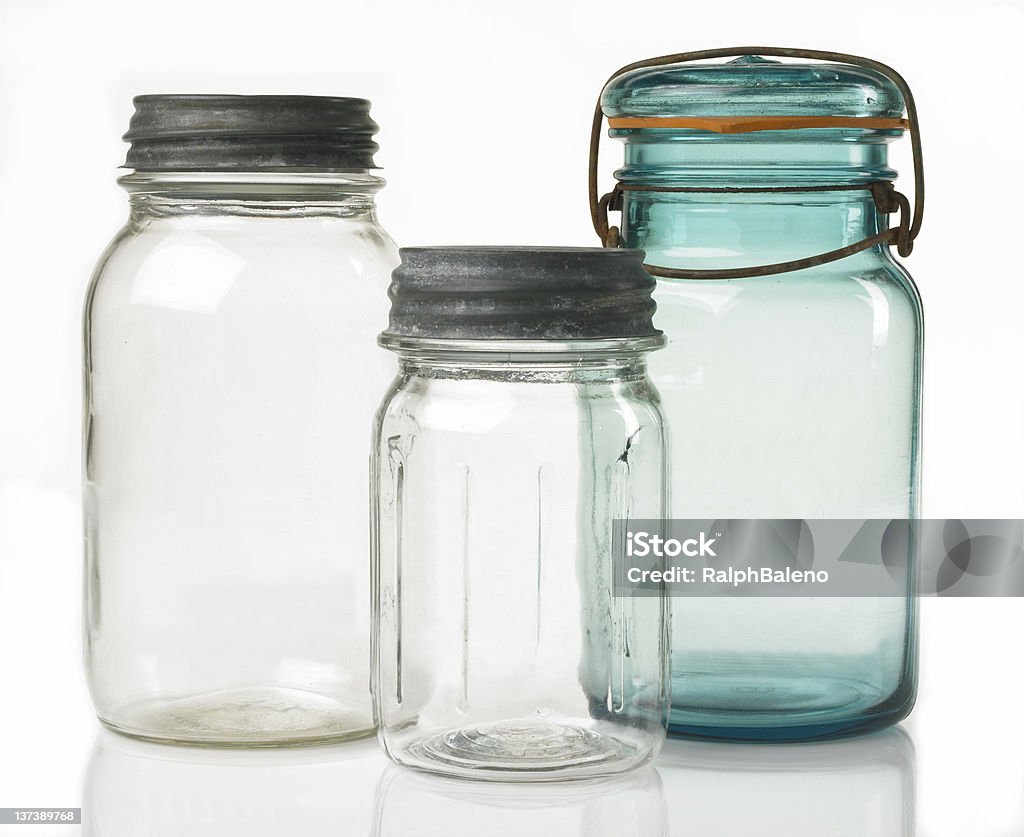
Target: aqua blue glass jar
point(761, 193)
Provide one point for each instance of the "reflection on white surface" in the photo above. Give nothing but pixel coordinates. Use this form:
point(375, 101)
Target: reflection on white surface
point(137, 789)
point(413, 804)
point(862, 787)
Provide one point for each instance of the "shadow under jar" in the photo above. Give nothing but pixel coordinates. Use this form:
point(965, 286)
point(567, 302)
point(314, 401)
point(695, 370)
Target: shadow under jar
point(227, 572)
point(521, 425)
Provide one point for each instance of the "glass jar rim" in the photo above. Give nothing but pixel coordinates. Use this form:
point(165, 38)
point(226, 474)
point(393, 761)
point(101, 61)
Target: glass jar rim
point(271, 182)
point(555, 350)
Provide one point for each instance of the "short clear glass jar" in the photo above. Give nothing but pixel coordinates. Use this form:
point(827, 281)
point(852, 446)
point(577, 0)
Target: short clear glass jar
point(521, 424)
point(227, 571)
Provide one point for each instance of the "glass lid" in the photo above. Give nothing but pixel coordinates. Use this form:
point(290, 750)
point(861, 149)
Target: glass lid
point(754, 87)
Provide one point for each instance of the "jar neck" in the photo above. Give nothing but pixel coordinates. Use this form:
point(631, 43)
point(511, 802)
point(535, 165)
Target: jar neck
point(718, 231)
point(712, 231)
point(760, 158)
point(252, 194)
point(522, 361)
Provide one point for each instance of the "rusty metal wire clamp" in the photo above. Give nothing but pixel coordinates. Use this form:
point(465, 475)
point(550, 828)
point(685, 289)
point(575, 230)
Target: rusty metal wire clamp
point(886, 198)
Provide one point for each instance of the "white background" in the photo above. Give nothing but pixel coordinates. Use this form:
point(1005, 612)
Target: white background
point(484, 112)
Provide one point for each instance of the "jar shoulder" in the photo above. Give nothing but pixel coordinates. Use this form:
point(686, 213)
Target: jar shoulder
point(152, 259)
point(877, 284)
point(415, 404)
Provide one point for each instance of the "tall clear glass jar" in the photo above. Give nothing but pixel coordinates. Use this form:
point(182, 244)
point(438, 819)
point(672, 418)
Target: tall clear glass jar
point(790, 393)
point(520, 426)
point(226, 433)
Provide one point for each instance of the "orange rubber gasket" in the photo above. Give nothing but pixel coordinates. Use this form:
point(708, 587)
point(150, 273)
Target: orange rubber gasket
point(747, 124)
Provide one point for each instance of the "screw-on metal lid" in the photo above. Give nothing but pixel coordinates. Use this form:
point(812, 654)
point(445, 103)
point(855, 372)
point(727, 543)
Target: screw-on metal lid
point(521, 293)
point(247, 133)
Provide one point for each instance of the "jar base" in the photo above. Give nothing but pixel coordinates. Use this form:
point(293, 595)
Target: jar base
point(523, 749)
point(771, 708)
point(270, 716)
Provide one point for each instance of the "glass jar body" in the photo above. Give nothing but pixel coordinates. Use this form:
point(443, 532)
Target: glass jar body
point(225, 495)
point(502, 651)
point(788, 396)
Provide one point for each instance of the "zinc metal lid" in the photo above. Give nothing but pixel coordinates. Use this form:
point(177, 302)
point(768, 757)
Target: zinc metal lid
point(521, 293)
point(184, 132)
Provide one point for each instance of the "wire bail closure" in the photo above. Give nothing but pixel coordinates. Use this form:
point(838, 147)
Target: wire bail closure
point(887, 199)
